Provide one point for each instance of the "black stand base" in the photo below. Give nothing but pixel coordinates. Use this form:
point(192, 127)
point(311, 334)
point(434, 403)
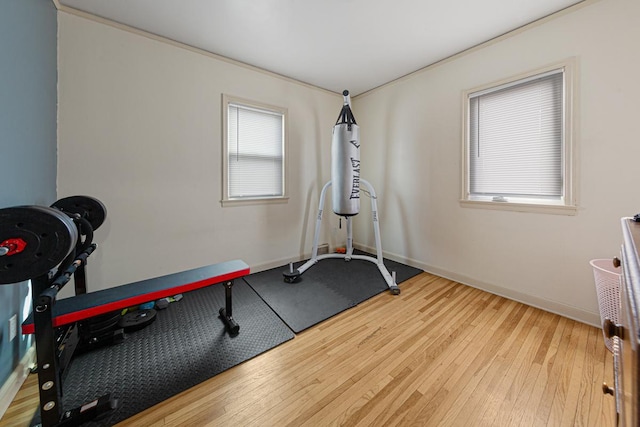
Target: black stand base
point(291, 276)
point(232, 326)
point(88, 411)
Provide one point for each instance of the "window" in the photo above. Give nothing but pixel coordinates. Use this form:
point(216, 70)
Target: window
point(517, 143)
point(254, 137)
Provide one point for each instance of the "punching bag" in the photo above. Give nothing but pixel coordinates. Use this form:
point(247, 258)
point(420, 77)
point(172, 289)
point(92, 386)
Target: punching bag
point(345, 162)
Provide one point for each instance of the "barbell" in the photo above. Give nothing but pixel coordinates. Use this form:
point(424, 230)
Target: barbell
point(35, 239)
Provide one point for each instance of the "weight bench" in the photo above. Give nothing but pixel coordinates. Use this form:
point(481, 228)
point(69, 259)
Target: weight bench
point(92, 304)
point(49, 246)
point(54, 353)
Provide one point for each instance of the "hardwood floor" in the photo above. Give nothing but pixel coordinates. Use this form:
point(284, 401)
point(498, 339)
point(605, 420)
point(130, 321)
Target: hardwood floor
point(439, 354)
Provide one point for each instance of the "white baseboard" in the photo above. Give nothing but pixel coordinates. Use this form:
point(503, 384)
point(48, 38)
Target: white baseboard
point(277, 263)
point(561, 309)
point(11, 387)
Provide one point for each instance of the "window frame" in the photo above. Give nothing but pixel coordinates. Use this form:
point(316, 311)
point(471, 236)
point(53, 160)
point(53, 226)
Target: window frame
point(567, 203)
point(233, 201)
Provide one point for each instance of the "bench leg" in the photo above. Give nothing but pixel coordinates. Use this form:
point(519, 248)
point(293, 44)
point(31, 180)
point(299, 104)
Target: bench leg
point(52, 364)
point(49, 380)
point(226, 313)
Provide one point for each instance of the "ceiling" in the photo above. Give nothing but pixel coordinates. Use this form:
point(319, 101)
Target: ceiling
point(333, 44)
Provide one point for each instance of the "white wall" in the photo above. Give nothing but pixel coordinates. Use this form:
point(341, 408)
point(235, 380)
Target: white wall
point(411, 152)
point(139, 127)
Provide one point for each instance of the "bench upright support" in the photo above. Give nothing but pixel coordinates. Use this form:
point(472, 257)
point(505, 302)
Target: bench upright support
point(52, 360)
point(226, 313)
point(49, 381)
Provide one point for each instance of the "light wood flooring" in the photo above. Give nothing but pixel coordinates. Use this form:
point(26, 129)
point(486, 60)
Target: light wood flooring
point(439, 354)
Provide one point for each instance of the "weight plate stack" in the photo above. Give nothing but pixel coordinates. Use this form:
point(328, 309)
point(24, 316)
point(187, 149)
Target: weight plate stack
point(136, 320)
point(33, 239)
point(87, 207)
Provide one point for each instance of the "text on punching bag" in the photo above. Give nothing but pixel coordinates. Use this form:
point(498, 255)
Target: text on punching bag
point(355, 186)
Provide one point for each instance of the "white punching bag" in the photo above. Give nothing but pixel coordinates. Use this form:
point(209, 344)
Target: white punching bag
point(345, 162)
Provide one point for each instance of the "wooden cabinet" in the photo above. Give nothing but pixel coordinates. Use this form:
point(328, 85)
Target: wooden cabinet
point(626, 357)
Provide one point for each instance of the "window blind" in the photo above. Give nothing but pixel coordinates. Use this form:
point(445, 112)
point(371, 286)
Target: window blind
point(516, 139)
point(255, 152)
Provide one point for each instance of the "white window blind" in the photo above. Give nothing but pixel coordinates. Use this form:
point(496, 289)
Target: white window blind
point(516, 139)
point(255, 150)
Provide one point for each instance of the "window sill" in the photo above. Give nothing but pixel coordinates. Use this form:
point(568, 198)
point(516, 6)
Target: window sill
point(256, 201)
point(521, 207)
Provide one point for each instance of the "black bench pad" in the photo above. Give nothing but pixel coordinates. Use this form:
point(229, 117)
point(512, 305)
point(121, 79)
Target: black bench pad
point(84, 306)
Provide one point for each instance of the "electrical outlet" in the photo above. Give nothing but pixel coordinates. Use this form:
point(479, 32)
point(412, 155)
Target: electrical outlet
point(13, 327)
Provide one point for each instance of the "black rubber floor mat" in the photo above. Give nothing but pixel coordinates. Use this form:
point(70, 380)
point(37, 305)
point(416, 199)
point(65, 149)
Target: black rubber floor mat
point(186, 345)
point(324, 290)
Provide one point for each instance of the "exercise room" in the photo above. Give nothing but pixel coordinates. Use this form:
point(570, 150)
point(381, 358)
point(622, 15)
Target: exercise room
point(319, 213)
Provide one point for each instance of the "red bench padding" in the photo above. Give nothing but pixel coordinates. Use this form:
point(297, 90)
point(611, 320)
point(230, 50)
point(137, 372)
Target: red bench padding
point(80, 307)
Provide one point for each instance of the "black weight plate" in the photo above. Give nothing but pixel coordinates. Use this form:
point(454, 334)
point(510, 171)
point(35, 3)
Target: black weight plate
point(136, 320)
point(101, 322)
point(102, 328)
point(87, 207)
point(49, 234)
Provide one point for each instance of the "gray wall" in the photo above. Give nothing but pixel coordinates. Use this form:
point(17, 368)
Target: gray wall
point(28, 98)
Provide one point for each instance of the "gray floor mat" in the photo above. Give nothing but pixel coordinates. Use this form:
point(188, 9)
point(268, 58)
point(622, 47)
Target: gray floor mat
point(324, 290)
point(186, 345)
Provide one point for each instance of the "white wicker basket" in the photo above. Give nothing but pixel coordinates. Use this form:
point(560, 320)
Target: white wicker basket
point(607, 279)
